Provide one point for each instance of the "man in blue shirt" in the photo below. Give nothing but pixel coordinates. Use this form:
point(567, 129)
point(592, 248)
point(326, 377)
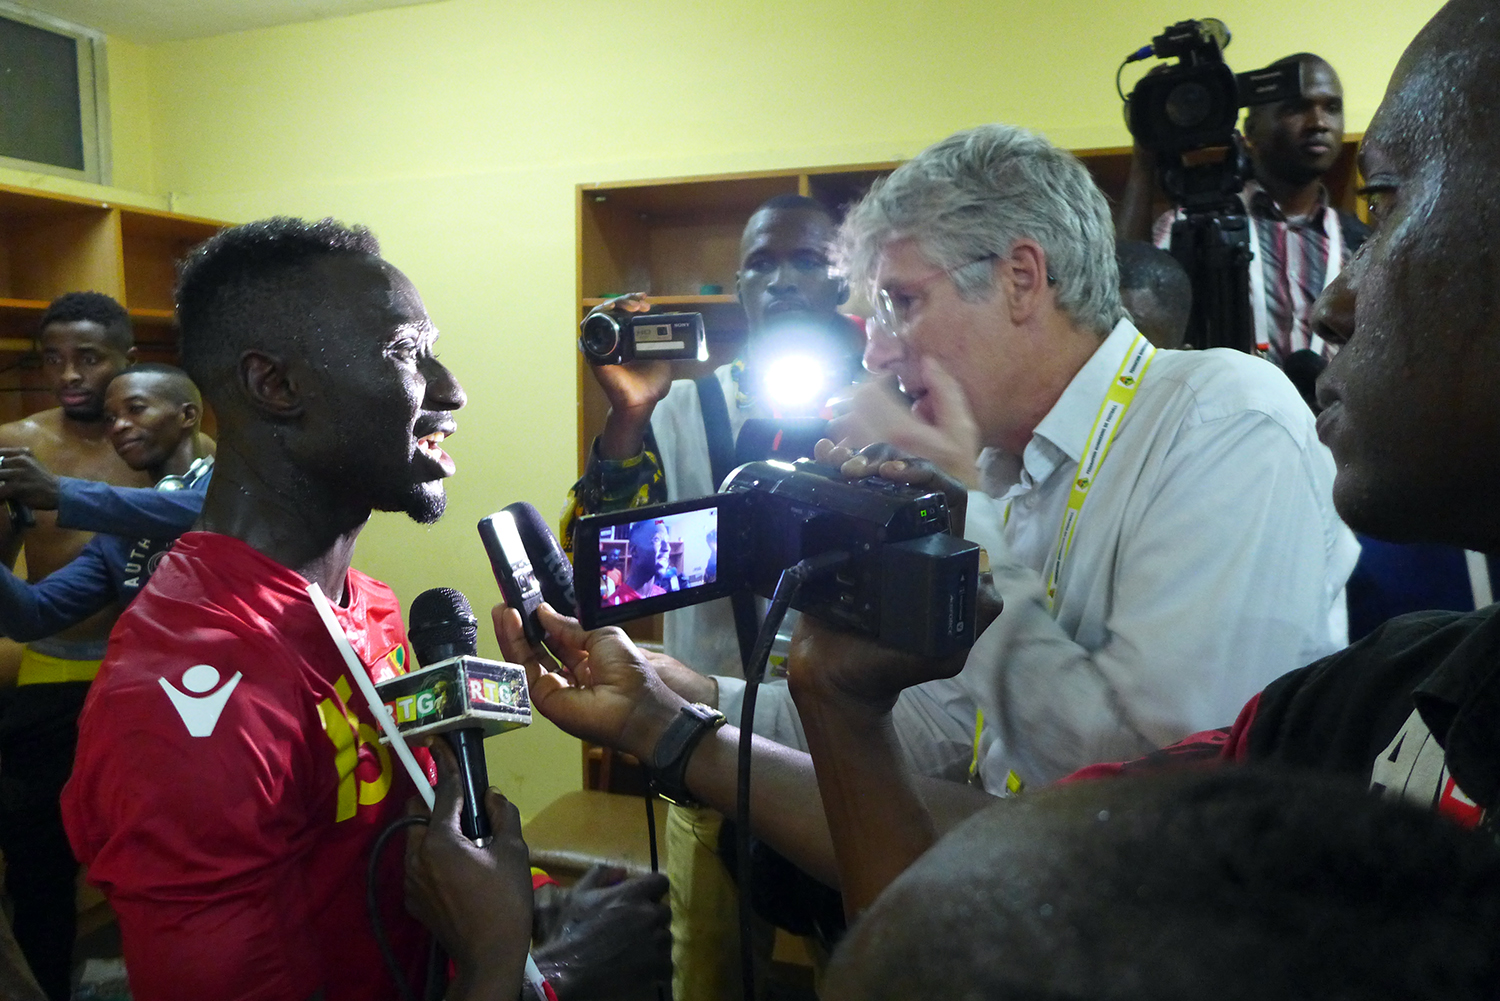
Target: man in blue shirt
point(153, 412)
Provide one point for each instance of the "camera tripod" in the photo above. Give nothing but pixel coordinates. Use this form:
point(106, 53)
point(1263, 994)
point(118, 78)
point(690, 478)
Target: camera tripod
point(1212, 243)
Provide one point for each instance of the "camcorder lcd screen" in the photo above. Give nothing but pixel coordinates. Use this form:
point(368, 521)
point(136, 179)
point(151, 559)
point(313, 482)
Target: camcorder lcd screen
point(647, 560)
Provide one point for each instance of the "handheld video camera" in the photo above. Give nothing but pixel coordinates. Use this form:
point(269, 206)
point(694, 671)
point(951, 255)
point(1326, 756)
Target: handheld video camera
point(605, 339)
point(1195, 103)
point(907, 583)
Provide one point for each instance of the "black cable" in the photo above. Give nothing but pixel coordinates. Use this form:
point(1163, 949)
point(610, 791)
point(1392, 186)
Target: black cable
point(787, 585)
point(651, 829)
point(373, 905)
point(661, 992)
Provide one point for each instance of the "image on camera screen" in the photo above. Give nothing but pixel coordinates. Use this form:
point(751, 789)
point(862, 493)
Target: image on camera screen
point(643, 559)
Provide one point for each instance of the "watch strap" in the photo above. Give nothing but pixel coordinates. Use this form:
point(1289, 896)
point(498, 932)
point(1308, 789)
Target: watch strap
point(669, 759)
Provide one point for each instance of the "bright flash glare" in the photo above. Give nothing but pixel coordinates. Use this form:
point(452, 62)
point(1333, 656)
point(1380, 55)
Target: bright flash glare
point(794, 380)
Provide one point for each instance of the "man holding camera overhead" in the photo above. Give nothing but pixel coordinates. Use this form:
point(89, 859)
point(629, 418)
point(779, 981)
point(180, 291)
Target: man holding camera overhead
point(1299, 240)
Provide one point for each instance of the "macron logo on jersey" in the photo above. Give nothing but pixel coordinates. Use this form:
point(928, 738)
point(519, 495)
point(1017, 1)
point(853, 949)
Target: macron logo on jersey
point(200, 711)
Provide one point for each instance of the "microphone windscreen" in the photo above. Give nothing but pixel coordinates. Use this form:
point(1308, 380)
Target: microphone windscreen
point(442, 625)
point(548, 561)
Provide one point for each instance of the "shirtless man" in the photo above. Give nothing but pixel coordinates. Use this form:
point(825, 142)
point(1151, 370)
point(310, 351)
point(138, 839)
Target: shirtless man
point(85, 341)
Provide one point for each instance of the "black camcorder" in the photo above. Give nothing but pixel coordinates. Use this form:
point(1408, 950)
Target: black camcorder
point(1185, 113)
point(606, 339)
point(907, 582)
point(1195, 104)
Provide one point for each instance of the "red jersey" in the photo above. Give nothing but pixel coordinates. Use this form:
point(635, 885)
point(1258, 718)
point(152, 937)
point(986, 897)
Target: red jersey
point(229, 784)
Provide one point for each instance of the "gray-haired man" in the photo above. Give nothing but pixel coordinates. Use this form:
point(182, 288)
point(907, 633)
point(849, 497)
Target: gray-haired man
point(1127, 497)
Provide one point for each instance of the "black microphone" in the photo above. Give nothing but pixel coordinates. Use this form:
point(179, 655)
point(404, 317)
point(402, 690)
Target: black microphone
point(553, 571)
point(443, 628)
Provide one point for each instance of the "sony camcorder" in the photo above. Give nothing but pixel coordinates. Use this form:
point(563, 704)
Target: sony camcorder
point(907, 582)
point(606, 339)
point(1195, 103)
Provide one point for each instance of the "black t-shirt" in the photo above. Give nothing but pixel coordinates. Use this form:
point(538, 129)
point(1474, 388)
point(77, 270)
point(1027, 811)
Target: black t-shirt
point(1413, 709)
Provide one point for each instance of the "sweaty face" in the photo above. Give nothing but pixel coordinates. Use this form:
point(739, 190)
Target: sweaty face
point(785, 267)
point(1412, 402)
point(381, 403)
point(654, 550)
point(145, 423)
point(1297, 141)
point(79, 359)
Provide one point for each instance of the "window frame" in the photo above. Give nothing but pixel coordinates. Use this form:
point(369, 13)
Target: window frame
point(93, 97)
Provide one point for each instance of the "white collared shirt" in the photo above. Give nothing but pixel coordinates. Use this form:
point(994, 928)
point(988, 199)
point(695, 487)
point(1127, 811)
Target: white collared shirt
point(1208, 561)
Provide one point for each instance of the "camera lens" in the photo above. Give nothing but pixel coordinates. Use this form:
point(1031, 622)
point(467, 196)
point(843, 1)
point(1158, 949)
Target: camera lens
point(600, 335)
point(1189, 104)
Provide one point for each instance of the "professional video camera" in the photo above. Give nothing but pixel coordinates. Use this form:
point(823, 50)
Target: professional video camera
point(606, 339)
point(1186, 114)
point(903, 579)
point(1195, 104)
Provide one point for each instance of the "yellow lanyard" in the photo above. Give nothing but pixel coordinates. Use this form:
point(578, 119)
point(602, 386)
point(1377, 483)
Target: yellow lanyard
point(1106, 425)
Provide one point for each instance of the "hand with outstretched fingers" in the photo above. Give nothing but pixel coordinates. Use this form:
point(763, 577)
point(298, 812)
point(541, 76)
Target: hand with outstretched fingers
point(891, 463)
point(879, 413)
point(593, 683)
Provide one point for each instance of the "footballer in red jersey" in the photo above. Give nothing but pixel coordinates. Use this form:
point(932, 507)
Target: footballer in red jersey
point(229, 784)
point(233, 836)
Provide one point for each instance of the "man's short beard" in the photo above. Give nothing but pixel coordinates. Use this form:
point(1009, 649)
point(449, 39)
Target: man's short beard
point(85, 415)
point(425, 506)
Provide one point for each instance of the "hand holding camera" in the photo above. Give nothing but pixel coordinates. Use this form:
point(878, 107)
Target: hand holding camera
point(940, 428)
point(633, 388)
point(595, 684)
point(828, 665)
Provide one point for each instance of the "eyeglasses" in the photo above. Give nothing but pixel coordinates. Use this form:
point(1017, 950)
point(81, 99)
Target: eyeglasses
point(893, 311)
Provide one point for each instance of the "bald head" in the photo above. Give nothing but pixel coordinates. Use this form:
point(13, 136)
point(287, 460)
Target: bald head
point(1228, 884)
point(1156, 291)
point(164, 382)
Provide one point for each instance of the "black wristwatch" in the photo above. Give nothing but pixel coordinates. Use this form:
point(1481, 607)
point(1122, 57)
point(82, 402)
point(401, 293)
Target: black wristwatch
point(669, 758)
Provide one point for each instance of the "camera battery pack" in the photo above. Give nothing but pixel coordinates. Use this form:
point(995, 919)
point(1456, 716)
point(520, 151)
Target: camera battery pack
point(929, 589)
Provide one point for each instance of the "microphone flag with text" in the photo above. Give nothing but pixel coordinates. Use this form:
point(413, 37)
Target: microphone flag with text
point(456, 693)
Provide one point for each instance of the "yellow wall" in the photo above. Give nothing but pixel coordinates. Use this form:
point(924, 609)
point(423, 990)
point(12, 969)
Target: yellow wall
point(458, 131)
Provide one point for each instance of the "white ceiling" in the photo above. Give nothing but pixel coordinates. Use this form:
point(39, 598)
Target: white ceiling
point(148, 21)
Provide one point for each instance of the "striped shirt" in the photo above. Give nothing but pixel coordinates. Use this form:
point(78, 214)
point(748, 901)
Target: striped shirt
point(1294, 256)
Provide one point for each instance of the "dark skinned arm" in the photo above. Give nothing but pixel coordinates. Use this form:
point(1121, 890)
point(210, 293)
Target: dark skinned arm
point(881, 816)
point(1135, 218)
point(477, 901)
point(603, 689)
